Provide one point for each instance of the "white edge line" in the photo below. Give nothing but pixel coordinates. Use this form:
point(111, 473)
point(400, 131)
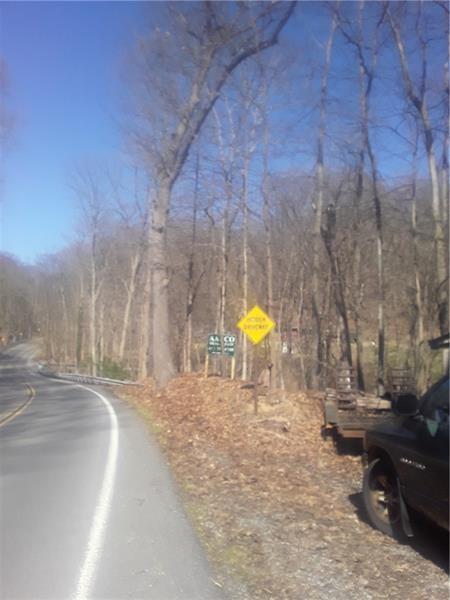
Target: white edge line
point(97, 532)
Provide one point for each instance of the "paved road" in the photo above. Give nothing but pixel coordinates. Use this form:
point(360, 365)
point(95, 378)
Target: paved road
point(14, 393)
point(88, 508)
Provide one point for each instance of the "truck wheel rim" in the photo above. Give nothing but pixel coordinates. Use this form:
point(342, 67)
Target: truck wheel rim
point(385, 501)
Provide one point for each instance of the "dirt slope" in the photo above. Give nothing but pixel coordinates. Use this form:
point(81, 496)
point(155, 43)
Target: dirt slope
point(277, 509)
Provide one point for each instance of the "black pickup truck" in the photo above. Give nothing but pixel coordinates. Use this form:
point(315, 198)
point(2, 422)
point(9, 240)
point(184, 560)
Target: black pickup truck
point(407, 462)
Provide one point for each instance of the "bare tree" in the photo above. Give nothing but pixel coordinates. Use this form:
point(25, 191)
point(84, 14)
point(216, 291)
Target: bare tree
point(79, 355)
point(246, 220)
point(17, 317)
point(92, 205)
point(245, 257)
point(144, 341)
point(133, 232)
point(217, 38)
point(268, 74)
point(250, 123)
point(193, 282)
point(328, 232)
point(227, 161)
point(367, 74)
point(318, 207)
point(416, 95)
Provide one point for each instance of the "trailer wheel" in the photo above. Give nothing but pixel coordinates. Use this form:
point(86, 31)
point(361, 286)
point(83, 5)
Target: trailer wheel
point(381, 498)
point(327, 434)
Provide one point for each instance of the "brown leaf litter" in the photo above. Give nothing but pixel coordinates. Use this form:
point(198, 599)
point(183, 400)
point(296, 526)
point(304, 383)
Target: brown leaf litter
point(277, 510)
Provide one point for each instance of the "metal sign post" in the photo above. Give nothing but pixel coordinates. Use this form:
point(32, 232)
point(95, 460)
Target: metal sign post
point(256, 324)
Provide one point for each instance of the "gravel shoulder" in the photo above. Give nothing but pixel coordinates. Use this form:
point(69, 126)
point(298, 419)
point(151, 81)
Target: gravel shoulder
point(278, 511)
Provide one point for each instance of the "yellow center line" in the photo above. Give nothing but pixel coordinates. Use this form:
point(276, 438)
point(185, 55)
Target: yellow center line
point(21, 408)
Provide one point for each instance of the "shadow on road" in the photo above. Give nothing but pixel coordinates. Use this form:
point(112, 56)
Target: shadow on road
point(430, 541)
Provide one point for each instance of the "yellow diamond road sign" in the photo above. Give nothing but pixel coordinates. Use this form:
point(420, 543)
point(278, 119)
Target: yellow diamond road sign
point(256, 324)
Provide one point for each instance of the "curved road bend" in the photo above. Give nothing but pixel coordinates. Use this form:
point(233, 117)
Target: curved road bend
point(87, 505)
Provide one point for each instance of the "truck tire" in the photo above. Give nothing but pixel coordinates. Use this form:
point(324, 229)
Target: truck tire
point(381, 498)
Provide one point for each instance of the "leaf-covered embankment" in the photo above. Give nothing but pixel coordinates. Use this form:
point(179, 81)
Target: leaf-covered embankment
point(278, 511)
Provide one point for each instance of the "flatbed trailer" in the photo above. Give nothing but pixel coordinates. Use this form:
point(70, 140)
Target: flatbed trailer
point(353, 420)
point(349, 412)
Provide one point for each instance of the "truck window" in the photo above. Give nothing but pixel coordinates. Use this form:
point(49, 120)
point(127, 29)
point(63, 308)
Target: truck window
point(436, 403)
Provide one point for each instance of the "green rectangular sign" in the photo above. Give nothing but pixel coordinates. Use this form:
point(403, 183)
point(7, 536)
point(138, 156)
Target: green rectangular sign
point(214, 343)
point(229, 344)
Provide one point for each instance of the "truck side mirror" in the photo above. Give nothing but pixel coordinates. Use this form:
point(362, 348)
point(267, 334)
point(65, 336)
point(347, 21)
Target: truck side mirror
point(405, 405)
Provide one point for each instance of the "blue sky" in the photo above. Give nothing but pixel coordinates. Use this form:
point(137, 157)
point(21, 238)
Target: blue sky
point(64, 61)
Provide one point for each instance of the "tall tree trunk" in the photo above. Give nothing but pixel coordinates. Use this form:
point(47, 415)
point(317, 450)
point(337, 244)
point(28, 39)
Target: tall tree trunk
point(419, 326)
point(444, 185)
point(445, 209)
point(217, 59)
point(445, 203)
point(50, 337)
point(358, 294)
point(300, 310)
point(130, 290)
point(163, 366)
point(66, 334)
point(224, 259)
point(187, 341)
point(418, 101)
point(357, 279)
point(445, 144)
point(187, 345)
point(380, 270)
point(80, 325)
point(276, 374)
point(327, 339)
point(366, 77)
point(358, 301)
point(441, 245)
point(216, 258)
point(245, 263)
point(92, 321)
point(227, 165)
point(101, 336)
point(329, 238)
point(318, 207)
point(146, 325)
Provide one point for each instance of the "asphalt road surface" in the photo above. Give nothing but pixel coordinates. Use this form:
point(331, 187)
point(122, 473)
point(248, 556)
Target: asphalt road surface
point(88, 508)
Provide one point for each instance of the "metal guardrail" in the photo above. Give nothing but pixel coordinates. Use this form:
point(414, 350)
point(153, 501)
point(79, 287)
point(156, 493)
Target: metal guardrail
point(81, 378)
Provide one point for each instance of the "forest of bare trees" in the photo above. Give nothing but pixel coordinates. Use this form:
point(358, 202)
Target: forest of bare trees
point(312, 182)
